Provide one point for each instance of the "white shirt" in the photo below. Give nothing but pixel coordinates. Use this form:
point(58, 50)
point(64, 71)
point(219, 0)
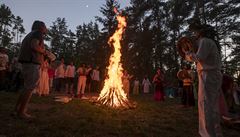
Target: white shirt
point(3, 61)
point(136, 82)
point(146, 82)
point(70, 71)
point(60, 71)
point(95, 75)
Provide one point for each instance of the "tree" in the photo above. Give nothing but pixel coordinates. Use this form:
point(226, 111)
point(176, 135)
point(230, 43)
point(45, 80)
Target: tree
point(87, 42)
point(58, 34)
point(18, 29)
point(6, 19)
point(108, 20)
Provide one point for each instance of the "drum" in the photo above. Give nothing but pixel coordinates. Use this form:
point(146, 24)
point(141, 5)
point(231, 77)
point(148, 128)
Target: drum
point(187, 44)
point(182, 74)
point(50, 55)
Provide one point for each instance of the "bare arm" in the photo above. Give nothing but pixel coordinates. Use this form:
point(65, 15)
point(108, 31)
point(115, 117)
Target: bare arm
point(35, 45)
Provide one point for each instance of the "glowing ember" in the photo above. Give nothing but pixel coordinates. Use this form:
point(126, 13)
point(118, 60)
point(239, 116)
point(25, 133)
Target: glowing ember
point(112, 93)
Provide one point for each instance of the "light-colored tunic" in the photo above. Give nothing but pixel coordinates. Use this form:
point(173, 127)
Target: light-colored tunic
point(44, 80)
point(60, 71)
point(146, 84)
point(126, 83)
point(70, 71)
point(81, 80)
point(136, 87)
point(95, 75)
point(210, 79)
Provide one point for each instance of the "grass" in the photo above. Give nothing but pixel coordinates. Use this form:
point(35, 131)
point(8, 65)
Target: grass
point(81, 118)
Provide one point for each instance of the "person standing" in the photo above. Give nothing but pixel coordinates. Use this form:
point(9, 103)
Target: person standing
point(188, 96)
point(208, 59)
point(51, 75)
point(43, 89)
point(158, 81)
point(126, 82)
point(89, 78)
point(16, 78)
point(82, 71)
point(96, 79)
point(3, 67)
point(146, 84)
point(60, 74)
point(136, 85)
point(70, 74)
point(235, 93)
point(31, 56)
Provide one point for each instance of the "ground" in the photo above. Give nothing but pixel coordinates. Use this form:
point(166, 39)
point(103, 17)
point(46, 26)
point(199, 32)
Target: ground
point(81, 118)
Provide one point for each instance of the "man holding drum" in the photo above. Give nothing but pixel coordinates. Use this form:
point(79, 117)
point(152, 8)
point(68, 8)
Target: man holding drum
point(31, 56)
point(208, 61)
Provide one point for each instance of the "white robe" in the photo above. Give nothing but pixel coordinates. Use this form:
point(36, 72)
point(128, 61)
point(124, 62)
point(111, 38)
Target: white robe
point(146, 84)
point(210, 80)
point(44, 80)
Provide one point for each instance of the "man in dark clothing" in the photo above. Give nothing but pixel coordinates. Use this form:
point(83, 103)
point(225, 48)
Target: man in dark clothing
point(31, 56)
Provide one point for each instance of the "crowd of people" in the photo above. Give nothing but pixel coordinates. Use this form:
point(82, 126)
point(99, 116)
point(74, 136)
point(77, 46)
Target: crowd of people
point(65, 78)
point(59, 77)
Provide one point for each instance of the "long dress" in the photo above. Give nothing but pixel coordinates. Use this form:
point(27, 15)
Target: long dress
point(209, 90)
point(146, 84)
point(44, 80)
point(136, 87)
point(126, 84)
point(159, 93)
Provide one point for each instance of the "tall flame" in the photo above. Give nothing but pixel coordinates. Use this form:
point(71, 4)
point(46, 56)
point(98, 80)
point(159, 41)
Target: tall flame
point(112, 93)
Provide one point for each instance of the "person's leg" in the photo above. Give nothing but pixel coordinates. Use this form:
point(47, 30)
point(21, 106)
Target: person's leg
point(62, 85)
point(57, 84)
point(31, 80)
point(50, 84)
point(80, 81)
point(209, 117)
point(83, 85)
point(184, 96)
point(191, 96)
point(67, 85)
point(71, 86)
point(95, 85)
point(24, 100)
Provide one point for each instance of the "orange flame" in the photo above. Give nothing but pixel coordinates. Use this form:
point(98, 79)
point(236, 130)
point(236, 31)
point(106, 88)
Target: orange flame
point(112, 93)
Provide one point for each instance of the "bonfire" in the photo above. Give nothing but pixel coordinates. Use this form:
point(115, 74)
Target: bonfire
point(112, 94)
